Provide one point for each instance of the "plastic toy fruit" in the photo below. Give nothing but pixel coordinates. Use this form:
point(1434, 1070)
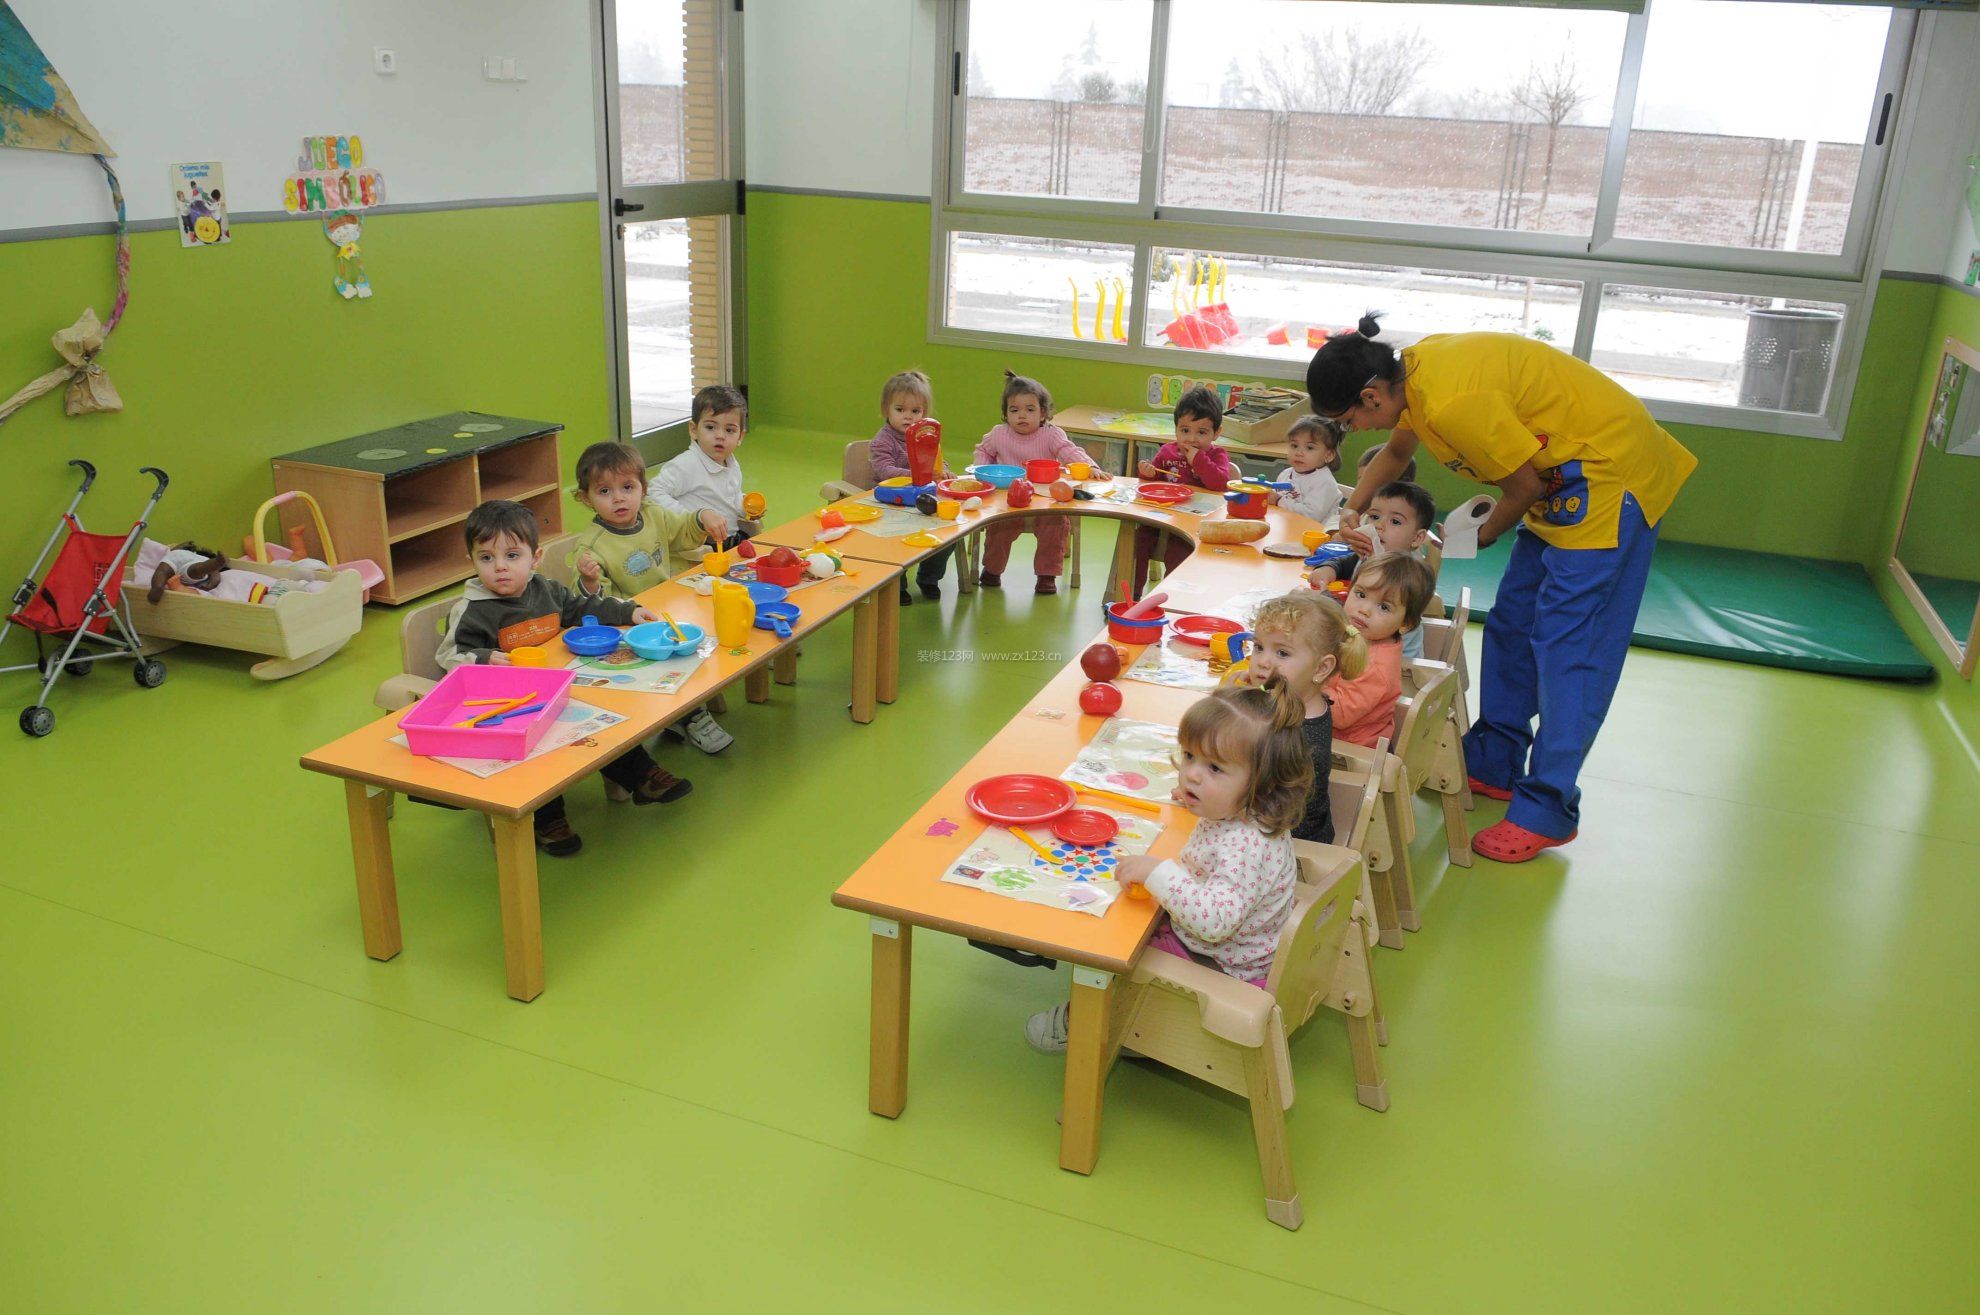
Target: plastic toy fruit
point(1101, 662)
point(925, 504)
point(745, 550)
point(783, 557)
point(1100, 699)
point(1019, 493)
point(1061, 491)
point(831, 520)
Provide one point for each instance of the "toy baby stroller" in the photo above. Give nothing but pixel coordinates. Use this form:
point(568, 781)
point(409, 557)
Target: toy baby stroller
point(79, 601)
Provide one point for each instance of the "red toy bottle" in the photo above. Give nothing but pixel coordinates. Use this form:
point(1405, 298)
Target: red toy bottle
point(924, 451)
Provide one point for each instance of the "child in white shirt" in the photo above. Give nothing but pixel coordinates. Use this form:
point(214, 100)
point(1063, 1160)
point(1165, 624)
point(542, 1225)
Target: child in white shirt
point(1313, 453)
point(707, 476)
point(1244, 770)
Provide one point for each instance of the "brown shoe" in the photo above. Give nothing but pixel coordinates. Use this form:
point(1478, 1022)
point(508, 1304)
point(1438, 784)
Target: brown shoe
point(661, 787)
point(990, 580)
point(1048, 584)
point(558, 840)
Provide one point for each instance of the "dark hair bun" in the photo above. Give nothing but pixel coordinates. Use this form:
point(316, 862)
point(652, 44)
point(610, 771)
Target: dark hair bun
point(1370, 325)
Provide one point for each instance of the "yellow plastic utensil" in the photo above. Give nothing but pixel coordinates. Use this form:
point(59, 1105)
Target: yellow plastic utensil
point(674, 626)
point(1130, 801)
point(1036, 848)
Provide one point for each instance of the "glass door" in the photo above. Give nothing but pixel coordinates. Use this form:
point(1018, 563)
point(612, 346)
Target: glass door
point(673, 206)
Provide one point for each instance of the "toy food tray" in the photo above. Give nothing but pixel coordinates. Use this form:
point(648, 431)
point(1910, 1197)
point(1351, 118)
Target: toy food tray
point(900, 495)
point(430, 724)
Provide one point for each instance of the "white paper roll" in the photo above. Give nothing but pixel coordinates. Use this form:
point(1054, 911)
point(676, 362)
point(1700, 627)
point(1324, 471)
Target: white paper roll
point(1462, 525)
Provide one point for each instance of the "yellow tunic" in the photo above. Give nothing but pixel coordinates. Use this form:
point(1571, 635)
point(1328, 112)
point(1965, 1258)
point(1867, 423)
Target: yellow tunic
point(1486, 403)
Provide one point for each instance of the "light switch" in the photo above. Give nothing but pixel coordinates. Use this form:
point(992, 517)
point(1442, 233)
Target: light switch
point(384, 61)
point(508, 69)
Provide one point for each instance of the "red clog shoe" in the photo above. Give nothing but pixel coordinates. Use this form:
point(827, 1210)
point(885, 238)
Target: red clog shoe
point(1479, 787)
point(1508, 842)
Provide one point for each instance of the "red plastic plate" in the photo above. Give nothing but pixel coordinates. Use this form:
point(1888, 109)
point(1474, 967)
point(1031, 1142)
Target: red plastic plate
point(1167, 495)
point(1085, 826)
point(1198, 629)
point(1019, 799)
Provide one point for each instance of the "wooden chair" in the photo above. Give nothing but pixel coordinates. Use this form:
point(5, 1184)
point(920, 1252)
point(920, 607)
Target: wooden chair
point(1354, 791)
point(856, 480)
point(1427, 745)
point(1198, 1021)
point(1384, 844)
point(1443, 641)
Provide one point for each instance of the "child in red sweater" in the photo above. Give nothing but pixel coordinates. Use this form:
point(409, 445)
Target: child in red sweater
point(1193, 459)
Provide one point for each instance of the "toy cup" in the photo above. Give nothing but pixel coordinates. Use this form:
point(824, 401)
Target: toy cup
point(528, 656)
point(735, 613)
point(1080, 470)
point(947, 508)
point(1313, 539)
point(754, 505)
point(716, 563)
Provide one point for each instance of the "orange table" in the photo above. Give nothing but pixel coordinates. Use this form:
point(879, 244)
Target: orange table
point(373, 769)
point(900, 888)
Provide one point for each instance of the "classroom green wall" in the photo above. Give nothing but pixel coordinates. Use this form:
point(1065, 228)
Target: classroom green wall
point(230, 355)
point(838, 297)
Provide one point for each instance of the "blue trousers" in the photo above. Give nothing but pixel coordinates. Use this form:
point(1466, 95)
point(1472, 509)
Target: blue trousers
point(1554, 646)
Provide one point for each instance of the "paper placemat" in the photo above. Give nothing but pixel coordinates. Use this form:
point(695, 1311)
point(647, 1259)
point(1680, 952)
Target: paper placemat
point(1080, 879)
point(1135, 758)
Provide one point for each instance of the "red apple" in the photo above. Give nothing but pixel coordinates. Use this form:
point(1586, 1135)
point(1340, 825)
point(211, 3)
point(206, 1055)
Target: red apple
point(783, 557)
point(1061, 491)
point(1101, 662)
point(1100, 699)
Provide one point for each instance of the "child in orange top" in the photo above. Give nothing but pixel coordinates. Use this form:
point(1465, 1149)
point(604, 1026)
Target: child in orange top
point(1387, 598)
point(1193, 459)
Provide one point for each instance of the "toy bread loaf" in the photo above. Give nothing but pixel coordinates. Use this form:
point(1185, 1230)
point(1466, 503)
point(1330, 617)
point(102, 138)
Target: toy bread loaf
point(1240, 531)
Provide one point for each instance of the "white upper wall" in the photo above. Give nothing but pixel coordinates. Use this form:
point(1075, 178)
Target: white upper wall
point(838, 94)
point(244, 81)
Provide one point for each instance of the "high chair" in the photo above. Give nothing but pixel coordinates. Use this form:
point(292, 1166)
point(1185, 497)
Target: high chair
point(1354, 792)
point(856, 480)
point(1443, 641)
point(1384, 843)
point(1211, 1026)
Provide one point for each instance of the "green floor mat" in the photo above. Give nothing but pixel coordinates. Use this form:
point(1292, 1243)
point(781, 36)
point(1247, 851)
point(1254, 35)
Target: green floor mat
point(1744, 606)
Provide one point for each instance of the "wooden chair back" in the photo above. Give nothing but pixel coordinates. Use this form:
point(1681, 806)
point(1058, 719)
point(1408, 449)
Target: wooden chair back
point(1307, 962)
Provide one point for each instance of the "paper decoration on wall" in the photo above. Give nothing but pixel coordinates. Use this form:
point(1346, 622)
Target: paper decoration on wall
point(199, 193)
point(39, 113)
point(343, 232)
point(331, 175)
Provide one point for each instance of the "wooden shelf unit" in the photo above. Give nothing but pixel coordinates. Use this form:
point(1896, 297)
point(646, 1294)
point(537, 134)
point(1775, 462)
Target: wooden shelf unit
point(399, 496)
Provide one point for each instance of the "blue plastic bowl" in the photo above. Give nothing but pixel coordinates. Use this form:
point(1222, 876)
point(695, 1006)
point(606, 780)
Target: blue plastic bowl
point(761, 593)
point(769, 614)
point(655, 640)
point(592, 639)
point(999, 476)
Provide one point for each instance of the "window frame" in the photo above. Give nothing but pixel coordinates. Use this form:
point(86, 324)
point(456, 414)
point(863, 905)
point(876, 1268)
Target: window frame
point(1602, 258)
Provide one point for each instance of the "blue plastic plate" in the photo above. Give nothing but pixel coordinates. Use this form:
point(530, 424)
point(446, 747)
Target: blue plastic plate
point(592, 639)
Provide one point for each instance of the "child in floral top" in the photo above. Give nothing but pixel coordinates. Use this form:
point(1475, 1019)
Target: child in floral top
point(1244, 771)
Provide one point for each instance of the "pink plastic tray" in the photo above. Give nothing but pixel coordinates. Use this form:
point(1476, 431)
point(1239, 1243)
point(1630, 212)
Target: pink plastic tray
point(429, 724)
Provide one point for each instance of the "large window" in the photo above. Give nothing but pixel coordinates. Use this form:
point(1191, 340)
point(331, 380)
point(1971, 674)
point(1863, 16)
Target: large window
point(1682, 193)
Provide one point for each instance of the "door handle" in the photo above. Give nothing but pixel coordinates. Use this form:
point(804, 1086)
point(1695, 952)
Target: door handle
point(623, 207)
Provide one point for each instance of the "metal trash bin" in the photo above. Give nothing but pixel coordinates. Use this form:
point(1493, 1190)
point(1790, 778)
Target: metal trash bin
point(1789, 356)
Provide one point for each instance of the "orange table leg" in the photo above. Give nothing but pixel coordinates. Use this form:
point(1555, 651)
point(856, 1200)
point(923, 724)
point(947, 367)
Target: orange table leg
point(886, 1076)
point(522, 914)
point(1086, 1069)
point(371, 855)
point(866, 657)
point(887, 683)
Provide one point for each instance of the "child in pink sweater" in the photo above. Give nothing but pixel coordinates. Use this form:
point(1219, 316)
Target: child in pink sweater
point(1027, 434)
point(1193, 459)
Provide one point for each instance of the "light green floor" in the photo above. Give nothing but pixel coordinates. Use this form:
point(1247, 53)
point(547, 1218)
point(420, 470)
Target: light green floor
point(1718, 1055)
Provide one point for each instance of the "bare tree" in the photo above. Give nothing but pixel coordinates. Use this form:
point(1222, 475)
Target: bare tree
point(1551, 94)
point(1344, 72)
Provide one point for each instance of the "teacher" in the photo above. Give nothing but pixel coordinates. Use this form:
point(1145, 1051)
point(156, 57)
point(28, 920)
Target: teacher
point(1587, 474)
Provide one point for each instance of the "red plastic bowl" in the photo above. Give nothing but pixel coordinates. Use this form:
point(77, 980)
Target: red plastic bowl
point(1167, 495)
point(787, 576)
point(947, 488)
point(1043, 472)
point(1134, 632)
point(1198, 629)
point(1019, 799)
point(1085, 826)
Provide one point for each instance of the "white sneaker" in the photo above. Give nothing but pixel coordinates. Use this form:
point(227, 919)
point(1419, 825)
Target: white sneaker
point(704, 734)
point(1045, 1031)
